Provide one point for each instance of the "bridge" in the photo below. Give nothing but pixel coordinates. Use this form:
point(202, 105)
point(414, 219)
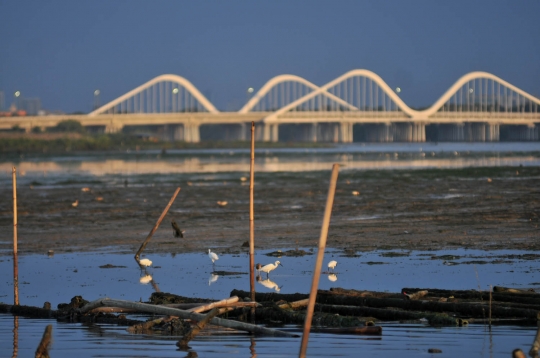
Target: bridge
point(356, 106)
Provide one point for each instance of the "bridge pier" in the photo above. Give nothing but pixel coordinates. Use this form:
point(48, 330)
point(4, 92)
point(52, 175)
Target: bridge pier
point(409, 132)
point(345, 133)
point(492, 132)
point(191, 133)
point(114, 127)
point(270, 132)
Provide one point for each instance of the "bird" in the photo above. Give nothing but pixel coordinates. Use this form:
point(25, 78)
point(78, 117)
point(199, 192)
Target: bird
point(270, 267)
point(75, 203)
point(145, 279)
point(332, 264)
point(258, 268)
point(145, 262)
point(213, 256)
point(176, 229)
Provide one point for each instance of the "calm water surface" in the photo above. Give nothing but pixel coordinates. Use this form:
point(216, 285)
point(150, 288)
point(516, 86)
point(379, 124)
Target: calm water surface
point(58, 278)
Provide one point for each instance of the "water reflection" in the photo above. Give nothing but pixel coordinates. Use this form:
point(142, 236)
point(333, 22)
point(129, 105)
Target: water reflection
point(15, 336)
point(448, 155)
point(269, 284)
point(332, 277)
point(213, 278)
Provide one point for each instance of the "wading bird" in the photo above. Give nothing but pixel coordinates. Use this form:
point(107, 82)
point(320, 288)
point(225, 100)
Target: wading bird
point(332, 264)
point(270, 267)
point(145, 262)
point(213, 256)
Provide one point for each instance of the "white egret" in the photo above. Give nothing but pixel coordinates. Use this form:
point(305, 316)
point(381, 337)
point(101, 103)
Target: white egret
point(332, 264)
point(145, 262)
point(270, 267)
point(213, 256)
point(145, 279)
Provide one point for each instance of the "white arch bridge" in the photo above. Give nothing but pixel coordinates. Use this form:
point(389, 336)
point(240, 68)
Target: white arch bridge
point(357, 105)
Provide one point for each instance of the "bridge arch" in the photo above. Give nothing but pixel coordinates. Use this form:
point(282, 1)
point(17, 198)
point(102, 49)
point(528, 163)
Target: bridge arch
point(488, 93)
point(285, 99)
point(140, 100)
point(327, 90)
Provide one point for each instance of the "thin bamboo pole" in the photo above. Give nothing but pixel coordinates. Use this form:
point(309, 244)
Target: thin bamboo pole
point(252, 221)
point(320, 256)
point(165, 211)
point(15, 254)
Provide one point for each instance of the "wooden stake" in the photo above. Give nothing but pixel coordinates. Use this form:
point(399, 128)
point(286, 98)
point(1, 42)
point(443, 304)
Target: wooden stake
point(318, 263)
point(42, 350)
point(183, 343)
point(165, 211)
point(252, 221)
point(15, 254)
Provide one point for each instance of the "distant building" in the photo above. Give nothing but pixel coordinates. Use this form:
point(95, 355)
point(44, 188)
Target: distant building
point(31, 105)
point(2, 101)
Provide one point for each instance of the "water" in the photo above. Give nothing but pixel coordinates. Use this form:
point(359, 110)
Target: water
point(58, 278)
point(405, 340)
point(92, 166)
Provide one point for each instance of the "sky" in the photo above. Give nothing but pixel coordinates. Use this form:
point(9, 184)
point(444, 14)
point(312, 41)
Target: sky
point(62, 50)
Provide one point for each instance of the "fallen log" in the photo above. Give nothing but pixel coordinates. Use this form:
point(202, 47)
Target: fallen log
point(512, 290)
point(186, 315)
point(529, 298)
point(465, 309)
point(208, 307)
point(164, 298)
point(294, 305)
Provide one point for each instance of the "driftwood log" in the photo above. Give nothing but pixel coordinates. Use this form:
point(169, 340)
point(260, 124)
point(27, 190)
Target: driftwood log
point(438, 308)
point(186, 315)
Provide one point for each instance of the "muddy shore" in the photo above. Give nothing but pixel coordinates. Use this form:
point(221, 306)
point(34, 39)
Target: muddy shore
point(482, 208)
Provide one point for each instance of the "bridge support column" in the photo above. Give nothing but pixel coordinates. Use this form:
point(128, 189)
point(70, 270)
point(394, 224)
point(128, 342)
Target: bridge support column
point(492, 132)
point(191, 133)
point(270, 132)
point(345, 132)
point(418, 132)
point(177, 133)
point(313, 129)
point(114, 127)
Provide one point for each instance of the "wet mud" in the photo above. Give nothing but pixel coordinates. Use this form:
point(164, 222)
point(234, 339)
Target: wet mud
point(481, 208)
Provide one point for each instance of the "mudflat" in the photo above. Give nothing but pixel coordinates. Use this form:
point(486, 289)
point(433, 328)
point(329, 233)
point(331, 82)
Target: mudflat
point(427, 209)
